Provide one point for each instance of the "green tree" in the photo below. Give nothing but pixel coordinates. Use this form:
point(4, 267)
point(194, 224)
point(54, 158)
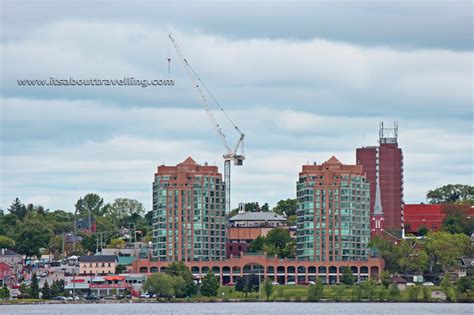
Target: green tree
point(90, 206)
point(278, 238)
point(458, 219)
point(426, 294)
point(339, 292)
point(61, 221)
point(120, 269)
point(23, 288)
point(444, 248)
point(117, 243)
point(368, 287)
point(265, 207)
point(315, 291)
point(464, 284)
point(162, 284)
point(123, 207)
point(382, 293)
point(451, 193)
point(46, 291)
point(388, 251)
point(247, 284)
point(6, 242)
point(423, 230)
point(413, 293)
point(4, 293)
point(209, 284)
point(9, 225)
point(267, 287)
point(385, 279)
point(32, 235)
point(394, 292)
point(34, 287)
point(347, 276)
point(18, 208)
point(180, 269)
point(286, 207)
point(257, 244)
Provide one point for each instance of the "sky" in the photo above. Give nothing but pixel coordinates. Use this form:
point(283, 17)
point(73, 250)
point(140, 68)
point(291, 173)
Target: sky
point(304, 81)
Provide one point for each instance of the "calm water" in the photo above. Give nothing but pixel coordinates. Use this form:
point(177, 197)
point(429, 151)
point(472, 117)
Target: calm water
point(242, 308)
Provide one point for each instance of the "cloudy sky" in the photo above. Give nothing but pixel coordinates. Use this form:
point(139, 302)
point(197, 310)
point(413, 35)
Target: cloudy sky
point(304, 81)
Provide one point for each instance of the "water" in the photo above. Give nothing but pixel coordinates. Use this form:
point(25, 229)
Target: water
point(240, 308)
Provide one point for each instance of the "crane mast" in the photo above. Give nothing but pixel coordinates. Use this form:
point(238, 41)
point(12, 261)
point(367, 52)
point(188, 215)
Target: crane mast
point(231, 154)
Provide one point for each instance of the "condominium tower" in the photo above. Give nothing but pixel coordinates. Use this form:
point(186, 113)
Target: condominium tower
point(333, 214)
point(188, 213)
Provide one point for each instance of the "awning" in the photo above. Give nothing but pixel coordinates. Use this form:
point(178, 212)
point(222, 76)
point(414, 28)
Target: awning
point(114, 278)
point(77, 286)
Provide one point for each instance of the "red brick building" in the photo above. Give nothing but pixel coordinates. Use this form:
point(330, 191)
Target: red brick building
point(387, 159)
point(280, 270)
point(430, 216)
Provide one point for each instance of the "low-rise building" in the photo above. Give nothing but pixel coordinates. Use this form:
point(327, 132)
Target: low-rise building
point(105, 285)
point(400, 283)
point(244, 227)
point(430, 216)
point(12, 259)
point(97, 264)
point(5, 274)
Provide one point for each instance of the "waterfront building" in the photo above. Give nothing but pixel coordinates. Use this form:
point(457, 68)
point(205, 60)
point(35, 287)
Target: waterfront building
point(383, 165)
point(333, 214)
point(188, 213)
point(97, 264)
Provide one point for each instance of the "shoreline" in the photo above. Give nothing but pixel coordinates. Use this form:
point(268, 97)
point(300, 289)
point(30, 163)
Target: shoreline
point(184, 301)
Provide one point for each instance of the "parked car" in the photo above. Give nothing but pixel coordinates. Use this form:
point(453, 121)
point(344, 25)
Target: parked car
point(409, 284)
point(290, 283)
point(145, 295)
point(430, 284)
point(91, 297)
point(59, 298)
point(44, 274)
point(275, 283)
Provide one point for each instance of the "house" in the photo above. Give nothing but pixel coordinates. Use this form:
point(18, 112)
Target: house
point(97, 264)
point(399, 282)
point(5, 274)
point(464, 267)
point(12, 259)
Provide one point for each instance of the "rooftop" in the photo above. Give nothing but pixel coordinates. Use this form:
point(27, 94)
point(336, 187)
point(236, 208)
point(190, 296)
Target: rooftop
point(258, 216)
point(8, 252)
point(98, 258)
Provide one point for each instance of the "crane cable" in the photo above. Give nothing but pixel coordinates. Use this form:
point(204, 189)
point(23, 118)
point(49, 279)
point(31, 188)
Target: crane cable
point(214, 99)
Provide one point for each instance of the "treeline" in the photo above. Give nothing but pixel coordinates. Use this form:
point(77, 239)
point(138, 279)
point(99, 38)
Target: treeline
point(32, 230)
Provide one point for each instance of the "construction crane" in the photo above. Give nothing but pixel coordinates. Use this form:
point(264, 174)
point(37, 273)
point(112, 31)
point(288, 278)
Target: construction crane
point(231, 155)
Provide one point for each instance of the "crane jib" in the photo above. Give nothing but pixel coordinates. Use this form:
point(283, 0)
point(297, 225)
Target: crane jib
point(231, 153)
